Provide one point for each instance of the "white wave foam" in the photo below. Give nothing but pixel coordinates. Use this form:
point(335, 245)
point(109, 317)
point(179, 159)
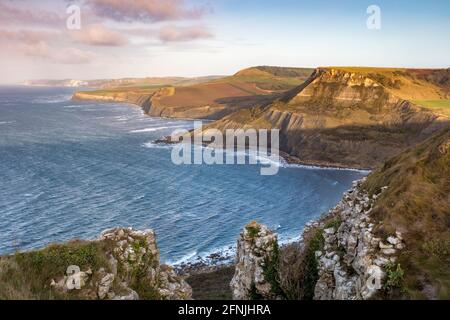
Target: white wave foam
point(185, 259)
point(225, 254)
point(73, 106)
point(53, 99)
point(217, 256)
point(312, 167)
point(153, 129)
point(7, 122)
point(154, 145)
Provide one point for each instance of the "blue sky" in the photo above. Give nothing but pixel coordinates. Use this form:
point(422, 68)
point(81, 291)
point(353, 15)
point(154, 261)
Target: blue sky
point(192, 38)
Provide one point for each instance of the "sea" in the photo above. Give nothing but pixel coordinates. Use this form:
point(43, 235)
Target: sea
point(71, 169)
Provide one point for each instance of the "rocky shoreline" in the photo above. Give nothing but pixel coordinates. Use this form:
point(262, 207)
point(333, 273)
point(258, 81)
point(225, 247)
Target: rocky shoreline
point(352, 261)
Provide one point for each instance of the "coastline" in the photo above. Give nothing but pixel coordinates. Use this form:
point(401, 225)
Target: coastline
point(214, 257)
point(221, 258)
point(289, 159)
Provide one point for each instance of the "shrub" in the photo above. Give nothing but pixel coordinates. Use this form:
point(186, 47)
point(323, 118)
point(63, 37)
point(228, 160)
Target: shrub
point(298, 268)
point(316, 243)
point(271, 270)
point(252, 231)
point(394, 276)
point(335, 223)
point(253, 294)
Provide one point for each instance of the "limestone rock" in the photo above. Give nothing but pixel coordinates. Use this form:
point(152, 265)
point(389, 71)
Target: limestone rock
point(362, 253)
point(130, 253)
point(172, 286)
point(105, 285)
point(256, 248)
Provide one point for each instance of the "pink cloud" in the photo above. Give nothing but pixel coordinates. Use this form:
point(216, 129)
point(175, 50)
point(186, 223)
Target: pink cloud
point(25, 36)
point(57, 55)
point(178, 34)
point(144, 10)
point(98, 35)
point(14, 15)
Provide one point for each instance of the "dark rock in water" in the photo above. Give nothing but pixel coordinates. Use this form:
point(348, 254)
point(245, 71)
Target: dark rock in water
point(165, 140)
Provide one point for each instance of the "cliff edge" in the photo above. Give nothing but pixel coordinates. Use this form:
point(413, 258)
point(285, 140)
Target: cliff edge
point(122, 264)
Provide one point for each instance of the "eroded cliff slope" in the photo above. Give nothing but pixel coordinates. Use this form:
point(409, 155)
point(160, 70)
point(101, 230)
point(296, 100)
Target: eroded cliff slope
point(341, 117)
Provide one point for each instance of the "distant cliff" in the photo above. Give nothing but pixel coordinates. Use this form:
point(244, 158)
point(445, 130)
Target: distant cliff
point(208, 99)
point(342, 117)
point(347, 118)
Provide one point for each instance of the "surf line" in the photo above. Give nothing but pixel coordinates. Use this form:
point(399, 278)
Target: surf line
point(262, 141)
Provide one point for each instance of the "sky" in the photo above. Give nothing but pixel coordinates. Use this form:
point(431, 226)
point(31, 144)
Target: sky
point(48, 39)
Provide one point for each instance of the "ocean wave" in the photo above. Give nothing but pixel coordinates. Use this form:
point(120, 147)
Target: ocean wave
point(312, 167)
point(7, 122)
point(122, 118)
point(225, 254)
point(214, 257)
point(256, 156)
point(153, 129)
point(53, 99)
point(264, 159)
point(74, 106)
point(154, 145)
point(185, 259)
point(250, 155)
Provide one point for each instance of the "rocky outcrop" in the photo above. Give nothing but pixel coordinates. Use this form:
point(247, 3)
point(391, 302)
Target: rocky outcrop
point(348, 261)
point(256, 252)
point(132, 266)
point(353, 260)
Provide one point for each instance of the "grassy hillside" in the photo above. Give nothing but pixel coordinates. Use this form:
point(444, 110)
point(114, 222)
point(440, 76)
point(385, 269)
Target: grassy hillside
point(272, 78)
point(122, 264)
point(211, 99)
point(438, 106)
point(417, 203)
point(28, 275)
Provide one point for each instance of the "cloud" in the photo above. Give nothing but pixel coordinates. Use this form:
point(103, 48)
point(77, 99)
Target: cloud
point(73, 56)
point(144, 10)
point(179, 34)
point(59, 55)
point(98, 35)
point(14, 15)
point(35, 44)
point(25, 36)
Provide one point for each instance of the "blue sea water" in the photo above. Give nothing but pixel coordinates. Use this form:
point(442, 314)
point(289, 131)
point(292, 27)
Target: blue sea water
point(72, 169)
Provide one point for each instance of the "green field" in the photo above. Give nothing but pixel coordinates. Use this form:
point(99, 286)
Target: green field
point(438, 106)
